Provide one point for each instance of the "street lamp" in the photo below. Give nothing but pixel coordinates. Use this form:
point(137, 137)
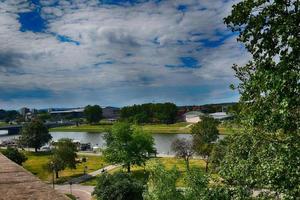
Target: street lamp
point(52, 166)
point(70, 187)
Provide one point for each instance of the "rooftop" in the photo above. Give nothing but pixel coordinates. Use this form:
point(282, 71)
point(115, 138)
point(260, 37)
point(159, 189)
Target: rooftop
point(17, 183)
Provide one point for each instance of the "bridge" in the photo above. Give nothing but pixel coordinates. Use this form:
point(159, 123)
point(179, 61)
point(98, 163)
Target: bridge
point(15, 129)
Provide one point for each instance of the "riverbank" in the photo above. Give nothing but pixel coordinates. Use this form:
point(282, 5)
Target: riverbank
point(177, 128)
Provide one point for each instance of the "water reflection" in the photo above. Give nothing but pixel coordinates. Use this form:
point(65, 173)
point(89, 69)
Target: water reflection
point(162, 141)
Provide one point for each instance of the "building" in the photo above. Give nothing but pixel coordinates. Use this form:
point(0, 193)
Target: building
point(221, 116)
point(193, 116)
point(24, 111)
point(70, 113)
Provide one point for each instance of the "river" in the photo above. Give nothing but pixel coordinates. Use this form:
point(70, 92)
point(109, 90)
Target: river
point(162, 141)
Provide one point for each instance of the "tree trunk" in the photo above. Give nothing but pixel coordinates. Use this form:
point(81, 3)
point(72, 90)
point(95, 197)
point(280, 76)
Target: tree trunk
point(187, 164)
point(128, 167)
point(56, 174)
point(35, 149)
point(206, 165)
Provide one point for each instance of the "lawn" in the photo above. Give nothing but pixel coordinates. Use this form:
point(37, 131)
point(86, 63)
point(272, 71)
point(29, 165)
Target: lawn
point(99, 128)
point(142, 175)
point(150, 128)
point(181, 127)
point(36, 164)
point(3, 124)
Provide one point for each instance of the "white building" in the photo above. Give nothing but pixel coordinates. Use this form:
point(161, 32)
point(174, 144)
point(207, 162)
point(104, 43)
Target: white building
point(220, 115)
point(193, 116)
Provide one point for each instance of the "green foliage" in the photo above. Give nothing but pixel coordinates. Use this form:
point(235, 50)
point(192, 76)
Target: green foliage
point(218, 153)
point(64, 155)
point(266, 155)
point(162, 183)
point(150, 113)
point(35, 134)
point(128, 145)
point(118, 186)
point(204, 133)
point(262, 160)
point(93, 114)
point(9, 115)
point(14, 155)
point(269, 84)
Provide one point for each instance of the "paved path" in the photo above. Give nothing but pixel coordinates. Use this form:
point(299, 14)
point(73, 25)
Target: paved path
point(81, 192)
point(92, 174)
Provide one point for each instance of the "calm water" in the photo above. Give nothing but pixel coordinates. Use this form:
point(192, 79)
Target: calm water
point(162, 141)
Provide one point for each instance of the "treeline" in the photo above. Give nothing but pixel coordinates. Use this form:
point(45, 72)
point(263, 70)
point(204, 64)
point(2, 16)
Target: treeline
point(150, 113)
point(9, 115)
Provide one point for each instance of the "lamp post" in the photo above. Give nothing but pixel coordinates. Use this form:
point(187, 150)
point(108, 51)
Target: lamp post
point(70, 187)
point(52, 166)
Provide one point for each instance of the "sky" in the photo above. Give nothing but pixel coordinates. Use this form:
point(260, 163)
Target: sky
point(71, 53)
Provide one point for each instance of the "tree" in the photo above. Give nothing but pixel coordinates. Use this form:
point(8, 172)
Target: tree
point(150, 113)
point(128, 145)
point(118, 186)
point(64, 156)
point(183, 149)
point(14, 155)
point(204, 133)
point(265, 155)
point(162, 183)
point(218, 153)
point(93, 114)
point(35, 134)
point(269, 83)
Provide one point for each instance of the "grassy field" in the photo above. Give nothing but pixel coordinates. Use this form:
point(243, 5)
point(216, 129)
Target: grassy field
point(36, 164)
point(3, 124)
point(84, 128)
point(142, 175)
point(150, 128)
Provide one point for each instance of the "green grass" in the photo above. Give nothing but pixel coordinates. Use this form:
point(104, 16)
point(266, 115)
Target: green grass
point(142, 175)
point(71, 196)
point(84, 128)
point(3, 124)
point(167, 128)
point(176, 128)
point(36, 164)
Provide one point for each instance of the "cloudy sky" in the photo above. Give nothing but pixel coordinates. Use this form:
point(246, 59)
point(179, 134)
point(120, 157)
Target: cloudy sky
point(66, 53)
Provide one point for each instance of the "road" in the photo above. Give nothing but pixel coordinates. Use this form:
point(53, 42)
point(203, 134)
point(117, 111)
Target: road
point(81, 192)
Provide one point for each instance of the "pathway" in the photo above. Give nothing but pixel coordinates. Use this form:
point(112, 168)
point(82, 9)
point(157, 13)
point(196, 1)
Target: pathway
point(81, 192)
point(92, 174)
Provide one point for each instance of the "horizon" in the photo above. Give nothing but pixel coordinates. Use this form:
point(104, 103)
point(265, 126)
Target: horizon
point(116, 53)
point(105, 106)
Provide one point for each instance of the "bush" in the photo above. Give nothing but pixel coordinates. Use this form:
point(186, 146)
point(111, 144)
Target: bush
point(14, 155)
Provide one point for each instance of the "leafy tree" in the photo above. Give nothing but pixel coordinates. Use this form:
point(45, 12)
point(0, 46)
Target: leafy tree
point(265, 156)
point(15, 155)
point(183, 149)
point(218, 153)
point(204, 133)
point(162, 183)
point(64, 156)
point(196, 184)
point(269, 83)
point(118, 186)
point(35, 134)
point(128, 145)
point(93, 114)
point(150, 113)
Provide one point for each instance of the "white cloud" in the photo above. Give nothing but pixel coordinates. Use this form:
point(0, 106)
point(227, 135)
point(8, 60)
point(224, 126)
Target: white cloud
point(120, 47)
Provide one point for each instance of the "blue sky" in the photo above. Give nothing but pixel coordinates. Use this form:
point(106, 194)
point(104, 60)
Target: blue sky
point(62, 53)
